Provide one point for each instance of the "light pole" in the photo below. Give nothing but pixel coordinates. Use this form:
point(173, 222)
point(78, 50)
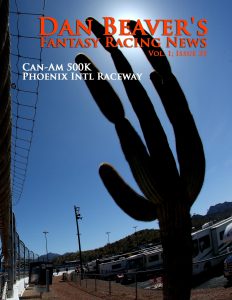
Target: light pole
point(78, 216)
point(108, 234)
point(46, 241)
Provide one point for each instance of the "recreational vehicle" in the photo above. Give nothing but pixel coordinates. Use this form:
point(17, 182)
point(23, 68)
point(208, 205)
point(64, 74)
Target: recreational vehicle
point(92, 267)
point(112, 267)
point(209, 250)
point(209, 246)
point(145, 260)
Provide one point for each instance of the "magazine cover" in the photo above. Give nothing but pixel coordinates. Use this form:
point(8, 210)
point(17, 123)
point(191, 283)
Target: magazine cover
point(115, 149)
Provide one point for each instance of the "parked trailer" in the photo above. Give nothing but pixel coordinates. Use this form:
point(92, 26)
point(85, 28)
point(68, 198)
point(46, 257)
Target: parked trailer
point(149, 261)
point(209, 246)
point(145, 261)
point(93, 267)
point(209, 249)
point(112, 267)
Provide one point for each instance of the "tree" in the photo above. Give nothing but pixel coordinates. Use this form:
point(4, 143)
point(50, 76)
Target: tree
point(168, 191)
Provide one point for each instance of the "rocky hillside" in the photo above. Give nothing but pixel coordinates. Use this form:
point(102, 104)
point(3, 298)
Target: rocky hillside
point(215, 213)
point(220, 208)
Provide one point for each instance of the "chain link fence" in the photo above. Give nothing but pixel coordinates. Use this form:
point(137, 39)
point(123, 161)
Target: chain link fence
point(20, 260)
point(141, 285)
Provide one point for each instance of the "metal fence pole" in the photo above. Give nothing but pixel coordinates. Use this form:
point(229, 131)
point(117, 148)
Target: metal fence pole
point(95, 283)
point(136, 287)
point(110, 287)
point(47, 280)
point(10, 269)
point(18, 256)
point(24, 259)
point(14, 247)
point(80, 278)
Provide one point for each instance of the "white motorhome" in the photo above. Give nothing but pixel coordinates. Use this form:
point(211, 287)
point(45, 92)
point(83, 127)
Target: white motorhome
point(145, 260)
point(92, 266)
point(208, 245)
point(112, 267)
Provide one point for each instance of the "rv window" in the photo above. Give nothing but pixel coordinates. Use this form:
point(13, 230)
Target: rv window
point(153, 258)
point(135, 263)
point(204, 243)
point(221, 234)
point(195, 248)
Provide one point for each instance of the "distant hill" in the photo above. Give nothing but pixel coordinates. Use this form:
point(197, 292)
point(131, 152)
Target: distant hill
point(215, 213)
point(140, 239)
point(51, 256)
point(144, 238)
point(220, 208)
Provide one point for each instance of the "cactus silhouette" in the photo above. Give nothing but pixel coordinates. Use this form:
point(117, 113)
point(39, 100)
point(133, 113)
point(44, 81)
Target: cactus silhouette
point(168, 191)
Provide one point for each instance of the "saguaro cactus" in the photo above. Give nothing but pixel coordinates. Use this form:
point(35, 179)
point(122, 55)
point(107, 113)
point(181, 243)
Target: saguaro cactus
point(168, 191)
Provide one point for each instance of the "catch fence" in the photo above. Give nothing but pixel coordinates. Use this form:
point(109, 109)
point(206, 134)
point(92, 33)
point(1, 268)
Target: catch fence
point(20, 260)
point(19, 43)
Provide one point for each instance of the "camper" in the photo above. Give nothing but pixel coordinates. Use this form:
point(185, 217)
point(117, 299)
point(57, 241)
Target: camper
point(112, 267)
point(92, 267)
point(209, 246)
point(145, 260)
point(148, 260)
point(142, 260)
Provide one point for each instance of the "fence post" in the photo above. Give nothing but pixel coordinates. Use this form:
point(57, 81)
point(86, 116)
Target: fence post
point(18, 257)
point(24, 260)
point(47, 280)
point(136, 287)
point(95, 282)
point(11, 265)
point(109, 286)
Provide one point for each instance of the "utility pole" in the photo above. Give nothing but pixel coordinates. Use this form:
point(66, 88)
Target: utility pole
point(78, 216)
point(46, 241)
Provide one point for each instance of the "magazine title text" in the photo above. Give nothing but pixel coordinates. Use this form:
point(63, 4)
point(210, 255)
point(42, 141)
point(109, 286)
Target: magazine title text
point(177, 33)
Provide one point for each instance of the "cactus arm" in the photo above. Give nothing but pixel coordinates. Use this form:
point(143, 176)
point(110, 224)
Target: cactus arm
point(152, 178)
point(99, 30)
point(189, 147)
point(103, 93)
point(148, 179)
point(159, 63)
point(126, 198)
point(154, 134)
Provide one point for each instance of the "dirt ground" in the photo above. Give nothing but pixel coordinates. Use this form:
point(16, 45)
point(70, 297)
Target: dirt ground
point(89, 290)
